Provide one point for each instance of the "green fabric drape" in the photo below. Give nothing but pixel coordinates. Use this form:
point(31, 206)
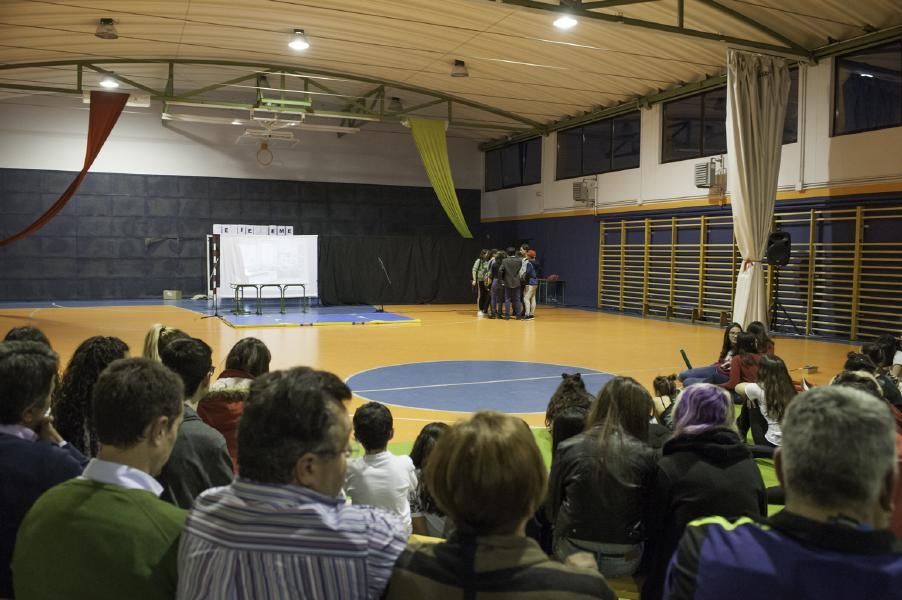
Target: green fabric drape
point(429, 137)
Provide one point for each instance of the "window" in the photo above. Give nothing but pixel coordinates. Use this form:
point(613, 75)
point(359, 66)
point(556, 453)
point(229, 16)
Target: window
point(599, 147)
point(514, 165)
point(691, 128)
point(696, 126)
point(867, 90)
point(791, 123)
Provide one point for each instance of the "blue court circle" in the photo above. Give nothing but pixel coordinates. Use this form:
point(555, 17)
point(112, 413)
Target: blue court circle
point(469, 385)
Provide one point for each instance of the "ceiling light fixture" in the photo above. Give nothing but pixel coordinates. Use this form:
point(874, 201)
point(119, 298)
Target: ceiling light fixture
point(395, 105)
point(565, 22)
point(109, 81)
point(459, 69)
point(237, 122)
point(298, 40)
point(106, 29)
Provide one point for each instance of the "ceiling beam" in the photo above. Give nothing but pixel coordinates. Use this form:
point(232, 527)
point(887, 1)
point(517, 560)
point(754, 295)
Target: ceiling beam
point(660, 27)
point(753, 23)
point(292, 69)
point(610, 3)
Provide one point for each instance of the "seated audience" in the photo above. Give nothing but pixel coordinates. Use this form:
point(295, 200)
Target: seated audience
point(200, 459)
point(838, 467)
point(27, 333)
point(571, 392)
point(759, 330)
point(379, 478)
point(488, 476)
point(870, 359)
point(744, 369)
point(72, 399)
point(426, 518)
point(158, 336)
point(600, 480)
point(767, 399)
point(107, 535)
point(33, 456)
point(221, 408)
point(706, 470)
point(282, 529)
point(719, 372)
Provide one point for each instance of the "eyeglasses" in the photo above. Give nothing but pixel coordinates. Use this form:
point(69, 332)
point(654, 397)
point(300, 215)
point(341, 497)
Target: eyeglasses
point(348, 451)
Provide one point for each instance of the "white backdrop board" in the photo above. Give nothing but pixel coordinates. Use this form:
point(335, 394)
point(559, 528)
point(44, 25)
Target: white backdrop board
point(268, 259)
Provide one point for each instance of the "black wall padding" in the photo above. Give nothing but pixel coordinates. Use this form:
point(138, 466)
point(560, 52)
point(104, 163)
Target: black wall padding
point(422, 269)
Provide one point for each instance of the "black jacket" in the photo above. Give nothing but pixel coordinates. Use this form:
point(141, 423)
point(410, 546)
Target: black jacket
point(586, 503)
point(199, 460)
point(510, 271)
point(703, 475)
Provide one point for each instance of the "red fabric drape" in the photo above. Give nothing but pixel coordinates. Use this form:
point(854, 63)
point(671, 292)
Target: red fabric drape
point(105, 110)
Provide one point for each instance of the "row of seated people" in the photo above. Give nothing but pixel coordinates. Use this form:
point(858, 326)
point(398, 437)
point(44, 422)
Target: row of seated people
point(282, 528)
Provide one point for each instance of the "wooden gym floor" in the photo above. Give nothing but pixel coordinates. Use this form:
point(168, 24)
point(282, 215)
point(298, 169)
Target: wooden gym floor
point(617, 344)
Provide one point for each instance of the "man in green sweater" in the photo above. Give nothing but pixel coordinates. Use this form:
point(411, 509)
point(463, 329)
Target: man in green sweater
point(107, 534)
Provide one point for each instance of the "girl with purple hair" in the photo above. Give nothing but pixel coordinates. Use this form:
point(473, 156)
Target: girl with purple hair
point(706, 470)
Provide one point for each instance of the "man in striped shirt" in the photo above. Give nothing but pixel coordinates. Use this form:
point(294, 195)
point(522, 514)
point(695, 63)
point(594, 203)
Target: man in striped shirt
point(281, 530)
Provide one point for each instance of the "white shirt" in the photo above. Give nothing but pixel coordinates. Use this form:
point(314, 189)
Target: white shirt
point(774, 433)
point(897, 357)
point(104, 471)
point(382, 480)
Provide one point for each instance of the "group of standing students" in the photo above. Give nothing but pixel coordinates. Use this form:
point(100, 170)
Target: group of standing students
point(506, 282)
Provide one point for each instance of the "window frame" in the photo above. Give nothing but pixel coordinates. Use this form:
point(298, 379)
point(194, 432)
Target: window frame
point(582, 154)
point(835, 89)
point(521, 151)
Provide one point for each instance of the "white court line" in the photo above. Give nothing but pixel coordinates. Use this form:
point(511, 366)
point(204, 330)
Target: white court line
point(438, 385)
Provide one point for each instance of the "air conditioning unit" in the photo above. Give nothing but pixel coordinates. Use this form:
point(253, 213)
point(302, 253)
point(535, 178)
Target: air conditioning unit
point(705, 175)
point(584, 191)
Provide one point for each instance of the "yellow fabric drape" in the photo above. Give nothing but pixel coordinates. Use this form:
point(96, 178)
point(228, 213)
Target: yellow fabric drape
point(429, 137)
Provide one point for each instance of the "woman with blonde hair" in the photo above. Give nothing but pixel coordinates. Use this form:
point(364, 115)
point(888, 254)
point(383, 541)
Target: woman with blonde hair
point(158, 336)
point(487, 475)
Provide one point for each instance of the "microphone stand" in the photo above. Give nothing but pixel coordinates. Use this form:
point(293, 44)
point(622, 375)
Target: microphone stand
point(381, 308)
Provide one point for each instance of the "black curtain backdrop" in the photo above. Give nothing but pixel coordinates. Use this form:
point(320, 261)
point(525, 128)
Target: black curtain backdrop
point(422, 269)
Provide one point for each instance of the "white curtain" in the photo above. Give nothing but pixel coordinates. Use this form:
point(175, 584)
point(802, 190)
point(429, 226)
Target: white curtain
point(757, 94)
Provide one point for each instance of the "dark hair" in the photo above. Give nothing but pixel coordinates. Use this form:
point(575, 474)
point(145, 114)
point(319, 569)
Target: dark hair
point(665, 386)
point(774, 379)
point(759, 330)
point(131, 394)
point(890, 346)
point(746, 346)
point(566, 424)
point(373, 425)
point(288, 414)
point(158, 336)
point(332, 385)
point(570, 392)
point(860, 380)
point(26, 376)
point(727, 344)
point(425, 441)
point(511, 251)
point(72, 400)
point(874, 352)
point(855, 361)
point(419, 455)
point(27, 333)
point(249, 355)
point(191, 359)
point(623, 406)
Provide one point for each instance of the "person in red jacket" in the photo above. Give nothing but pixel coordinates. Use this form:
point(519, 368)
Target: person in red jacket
point(221, 408)
point(743, 369)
